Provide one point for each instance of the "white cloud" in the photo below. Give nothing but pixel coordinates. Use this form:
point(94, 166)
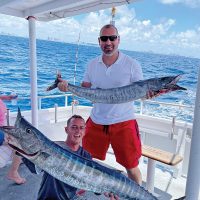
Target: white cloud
point(190, 3)
point(63, 29)
point(135, 34)
point(9, 24)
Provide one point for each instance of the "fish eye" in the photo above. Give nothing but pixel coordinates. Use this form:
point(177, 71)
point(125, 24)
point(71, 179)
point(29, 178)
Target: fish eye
point(28, 130)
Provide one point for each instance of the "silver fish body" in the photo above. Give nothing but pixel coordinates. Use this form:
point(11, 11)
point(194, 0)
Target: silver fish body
point(69, 167)
point(144, 89)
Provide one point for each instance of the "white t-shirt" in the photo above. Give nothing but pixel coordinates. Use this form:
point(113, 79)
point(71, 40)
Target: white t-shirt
point(123, 72)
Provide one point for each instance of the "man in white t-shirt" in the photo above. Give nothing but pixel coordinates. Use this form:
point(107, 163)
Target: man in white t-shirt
point(113, 124)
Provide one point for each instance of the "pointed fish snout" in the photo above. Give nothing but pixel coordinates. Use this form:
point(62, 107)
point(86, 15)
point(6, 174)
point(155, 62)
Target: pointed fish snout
point(177, 87)
point(7, 128)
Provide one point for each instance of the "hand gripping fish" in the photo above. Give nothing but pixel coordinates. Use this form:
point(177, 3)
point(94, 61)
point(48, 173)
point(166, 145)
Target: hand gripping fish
point(144, 89)
point(69, 167)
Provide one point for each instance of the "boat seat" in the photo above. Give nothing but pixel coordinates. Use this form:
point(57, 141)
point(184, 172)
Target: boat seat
point(155, 154)
point(161, 155)
point(166, 135)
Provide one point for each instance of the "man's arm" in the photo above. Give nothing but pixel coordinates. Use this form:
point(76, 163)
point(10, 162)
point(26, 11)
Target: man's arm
point(8, 97)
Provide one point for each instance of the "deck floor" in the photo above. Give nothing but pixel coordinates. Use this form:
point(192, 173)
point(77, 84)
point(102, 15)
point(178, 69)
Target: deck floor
point(28, 191)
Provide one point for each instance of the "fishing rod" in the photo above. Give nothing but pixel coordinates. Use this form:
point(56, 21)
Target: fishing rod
point(75, 102)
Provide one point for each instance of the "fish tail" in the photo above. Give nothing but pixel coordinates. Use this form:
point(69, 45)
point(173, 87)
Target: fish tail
point(55, 83)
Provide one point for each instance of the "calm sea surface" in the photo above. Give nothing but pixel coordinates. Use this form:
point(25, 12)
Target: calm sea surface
point(52, 56)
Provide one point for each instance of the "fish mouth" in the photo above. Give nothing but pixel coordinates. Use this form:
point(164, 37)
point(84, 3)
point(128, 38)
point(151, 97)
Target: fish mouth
point(173, 84)
point(20, 151)
point(170, 86)
point(13, 142)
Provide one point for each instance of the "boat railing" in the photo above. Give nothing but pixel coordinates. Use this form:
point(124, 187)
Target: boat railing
point(40, 98)
point(180, 105)
point(174, 111)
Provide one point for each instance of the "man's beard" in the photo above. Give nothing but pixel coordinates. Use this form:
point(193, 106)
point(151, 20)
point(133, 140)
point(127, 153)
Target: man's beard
point(110, 53)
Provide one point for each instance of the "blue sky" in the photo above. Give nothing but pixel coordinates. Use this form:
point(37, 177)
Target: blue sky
point(160, 26)
point(186, 15)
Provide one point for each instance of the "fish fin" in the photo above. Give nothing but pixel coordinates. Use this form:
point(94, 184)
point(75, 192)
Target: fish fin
point(19, 116)
point(182, 198)
point(45, 155)
point(97, 193)
point(19, 112)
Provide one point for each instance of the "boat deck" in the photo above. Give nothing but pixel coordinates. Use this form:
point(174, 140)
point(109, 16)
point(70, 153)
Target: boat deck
point(166, 187)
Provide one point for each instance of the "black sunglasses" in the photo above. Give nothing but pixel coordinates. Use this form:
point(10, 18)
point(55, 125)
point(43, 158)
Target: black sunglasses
point(111, 38)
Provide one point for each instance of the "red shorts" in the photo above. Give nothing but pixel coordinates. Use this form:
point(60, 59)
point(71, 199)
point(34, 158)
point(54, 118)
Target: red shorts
point(123, 137)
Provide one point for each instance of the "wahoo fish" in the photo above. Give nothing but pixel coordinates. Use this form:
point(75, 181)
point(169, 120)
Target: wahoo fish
point(144, 89)
point(69, 167)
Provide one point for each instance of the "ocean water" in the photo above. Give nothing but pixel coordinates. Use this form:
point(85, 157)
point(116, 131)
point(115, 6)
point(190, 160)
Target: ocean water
point(52, 56)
